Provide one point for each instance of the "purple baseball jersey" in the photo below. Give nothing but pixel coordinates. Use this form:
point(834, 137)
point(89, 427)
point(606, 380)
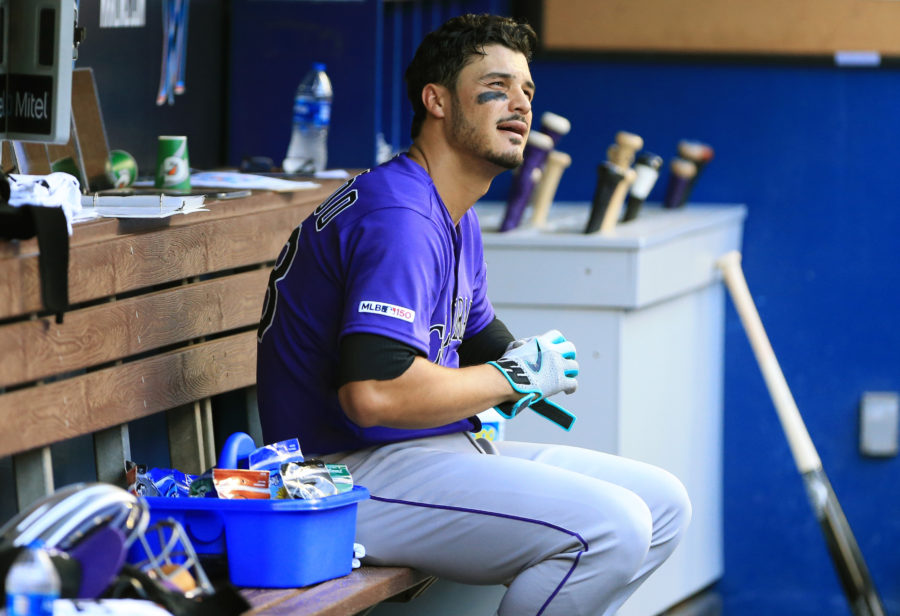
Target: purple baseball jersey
point(379, 256)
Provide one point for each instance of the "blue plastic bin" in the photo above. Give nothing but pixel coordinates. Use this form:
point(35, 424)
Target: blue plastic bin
point(271, 543)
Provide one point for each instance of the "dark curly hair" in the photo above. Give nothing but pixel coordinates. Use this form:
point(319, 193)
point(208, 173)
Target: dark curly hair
point(446, 51)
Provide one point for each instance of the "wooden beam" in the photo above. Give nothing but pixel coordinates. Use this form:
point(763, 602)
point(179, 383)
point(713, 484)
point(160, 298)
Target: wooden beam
point(254, 427)
point(37, 348)
point(72, 150)
point(111, 396)
point(125, 264)
point(187, 439)
point(207, 432)
point(34, 475)
point(112, 447)
point(91, 136)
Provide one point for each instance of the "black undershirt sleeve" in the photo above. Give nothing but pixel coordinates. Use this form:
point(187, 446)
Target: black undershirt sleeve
point(370, 356)
point(487, 345)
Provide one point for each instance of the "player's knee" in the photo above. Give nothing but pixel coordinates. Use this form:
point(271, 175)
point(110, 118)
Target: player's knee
point(634, 536)
point(622, 544)
point(677, 510)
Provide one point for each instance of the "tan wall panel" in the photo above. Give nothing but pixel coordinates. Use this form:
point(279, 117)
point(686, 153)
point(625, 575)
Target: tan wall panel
point(723, 26)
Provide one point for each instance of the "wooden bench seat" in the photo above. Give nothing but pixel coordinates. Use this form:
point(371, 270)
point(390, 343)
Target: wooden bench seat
point(352, 594)
point(163, 318)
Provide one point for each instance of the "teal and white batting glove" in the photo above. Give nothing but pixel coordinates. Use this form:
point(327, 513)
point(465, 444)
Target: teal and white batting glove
point(537, 368)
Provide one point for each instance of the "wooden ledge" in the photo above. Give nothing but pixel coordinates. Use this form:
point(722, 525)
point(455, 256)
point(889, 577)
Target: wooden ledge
point(345, 596)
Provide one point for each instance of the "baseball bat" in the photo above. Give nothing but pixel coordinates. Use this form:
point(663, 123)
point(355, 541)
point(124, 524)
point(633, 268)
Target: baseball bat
point(617, 156)
point(844, 551)
point(557, 162)
point(647, 169)
point(555, 126)
point(527, 175)
point(698, 153)
point(682, 171)
point(613, 182)
point(622, 152)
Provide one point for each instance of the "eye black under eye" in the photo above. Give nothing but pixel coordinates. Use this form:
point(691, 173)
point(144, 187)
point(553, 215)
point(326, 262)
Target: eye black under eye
point(491, 95)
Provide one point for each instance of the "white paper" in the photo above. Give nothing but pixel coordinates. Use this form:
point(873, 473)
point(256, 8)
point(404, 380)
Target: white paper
point(141, 206)
point(332, 174)
point(233, 179)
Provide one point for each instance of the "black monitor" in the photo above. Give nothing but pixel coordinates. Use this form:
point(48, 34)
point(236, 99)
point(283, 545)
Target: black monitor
point(36, 56)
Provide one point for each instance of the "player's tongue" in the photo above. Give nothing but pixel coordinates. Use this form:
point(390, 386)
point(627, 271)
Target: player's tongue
point(513, 126)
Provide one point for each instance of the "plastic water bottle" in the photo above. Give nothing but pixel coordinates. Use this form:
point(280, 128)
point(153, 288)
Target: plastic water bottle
point(32, 584)
point(308, 149)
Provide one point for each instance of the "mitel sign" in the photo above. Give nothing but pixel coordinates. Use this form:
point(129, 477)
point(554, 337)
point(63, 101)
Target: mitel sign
point(28, 104)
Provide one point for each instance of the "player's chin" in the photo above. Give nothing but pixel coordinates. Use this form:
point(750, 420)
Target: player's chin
point(509, 158)
point(506, 160)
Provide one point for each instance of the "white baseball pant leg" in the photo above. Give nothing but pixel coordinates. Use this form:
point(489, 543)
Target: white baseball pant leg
point(571, 531)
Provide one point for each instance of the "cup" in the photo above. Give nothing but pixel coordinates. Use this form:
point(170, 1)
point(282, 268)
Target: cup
point(121, 169)
point(173, 172)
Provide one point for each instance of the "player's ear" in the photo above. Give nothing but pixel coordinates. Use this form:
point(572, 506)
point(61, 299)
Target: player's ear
point(435, 97)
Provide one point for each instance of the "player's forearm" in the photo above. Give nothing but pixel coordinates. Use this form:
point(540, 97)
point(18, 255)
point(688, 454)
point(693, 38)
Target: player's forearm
point(425, 396)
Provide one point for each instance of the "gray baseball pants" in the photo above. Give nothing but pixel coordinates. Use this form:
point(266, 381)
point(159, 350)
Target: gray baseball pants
point(570, 531)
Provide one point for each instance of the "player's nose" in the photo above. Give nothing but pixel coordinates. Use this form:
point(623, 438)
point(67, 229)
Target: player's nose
point(519, 101)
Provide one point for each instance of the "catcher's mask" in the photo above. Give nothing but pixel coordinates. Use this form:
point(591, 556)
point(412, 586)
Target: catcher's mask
point(100, 525)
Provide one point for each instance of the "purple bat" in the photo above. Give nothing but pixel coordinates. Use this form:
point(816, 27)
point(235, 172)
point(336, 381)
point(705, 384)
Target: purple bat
point(536, 151)
point(555, 126)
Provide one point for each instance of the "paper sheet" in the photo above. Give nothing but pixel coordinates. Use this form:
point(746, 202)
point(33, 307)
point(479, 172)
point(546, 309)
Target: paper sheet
point(232, 179)
point(139, 206)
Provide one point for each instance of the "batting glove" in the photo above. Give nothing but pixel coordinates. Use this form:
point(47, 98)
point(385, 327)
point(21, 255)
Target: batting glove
point(539, 367)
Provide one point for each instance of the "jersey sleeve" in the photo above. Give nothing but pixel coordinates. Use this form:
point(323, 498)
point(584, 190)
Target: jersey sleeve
point(394, 259)
point(482, 312)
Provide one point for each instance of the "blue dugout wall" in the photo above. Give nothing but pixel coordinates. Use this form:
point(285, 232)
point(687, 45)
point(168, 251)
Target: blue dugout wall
point(811, 151)
point(809, 148)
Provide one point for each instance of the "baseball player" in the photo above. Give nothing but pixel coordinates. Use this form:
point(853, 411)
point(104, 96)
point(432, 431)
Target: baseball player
point(378, 346)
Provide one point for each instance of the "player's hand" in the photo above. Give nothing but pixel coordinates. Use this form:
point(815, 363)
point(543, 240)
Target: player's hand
point(537, 368)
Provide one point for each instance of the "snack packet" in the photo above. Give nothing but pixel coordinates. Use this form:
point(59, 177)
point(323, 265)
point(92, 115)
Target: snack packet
point(136, 478)
point(340, 475)
point(271, 457)
point(169, 482)
point(183, 483)
point(308, 480)
point(203, 486)
point(241, 483)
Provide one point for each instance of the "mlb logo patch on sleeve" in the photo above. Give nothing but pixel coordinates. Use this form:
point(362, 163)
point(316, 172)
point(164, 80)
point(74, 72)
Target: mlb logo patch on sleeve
point(388, 310)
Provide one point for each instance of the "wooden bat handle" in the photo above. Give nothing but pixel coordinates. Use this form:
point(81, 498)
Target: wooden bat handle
point(611, 217)
point(557, 162)
point(805, 455)
point(629, 141)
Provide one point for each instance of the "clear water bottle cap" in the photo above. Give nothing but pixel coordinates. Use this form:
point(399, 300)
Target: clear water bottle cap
point(319, 66)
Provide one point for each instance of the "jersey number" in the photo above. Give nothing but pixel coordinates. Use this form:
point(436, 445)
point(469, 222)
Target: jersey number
point(285, 259)
point(336, 203)
point(339, 201)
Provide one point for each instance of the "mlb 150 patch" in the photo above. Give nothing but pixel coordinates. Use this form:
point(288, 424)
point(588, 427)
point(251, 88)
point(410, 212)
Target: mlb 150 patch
point(389, 310)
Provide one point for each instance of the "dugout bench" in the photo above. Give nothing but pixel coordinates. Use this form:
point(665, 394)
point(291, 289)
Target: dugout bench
point(162, 317)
